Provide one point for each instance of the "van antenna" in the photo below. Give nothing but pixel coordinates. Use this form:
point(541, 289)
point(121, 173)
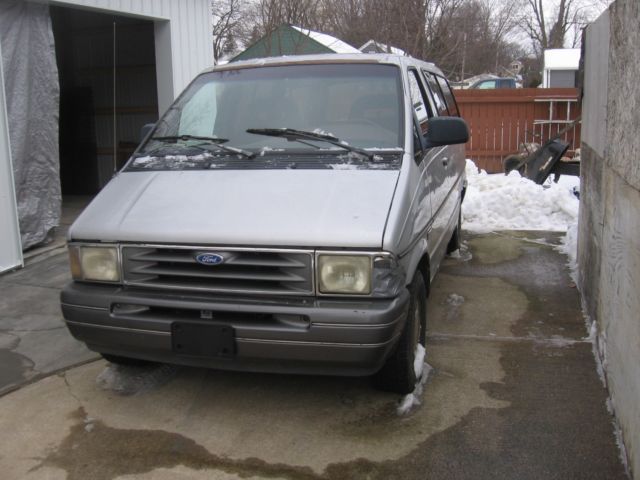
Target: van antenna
point(115, 149)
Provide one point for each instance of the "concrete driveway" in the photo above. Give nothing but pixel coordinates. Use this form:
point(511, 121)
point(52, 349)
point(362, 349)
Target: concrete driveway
point(513, 393)
point(34, 341)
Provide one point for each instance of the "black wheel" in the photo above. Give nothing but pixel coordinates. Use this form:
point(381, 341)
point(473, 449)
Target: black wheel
point(131, 362)
point(398, 373)
point(454, 242)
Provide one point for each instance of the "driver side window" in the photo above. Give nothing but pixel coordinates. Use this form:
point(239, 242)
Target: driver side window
point(422, 112)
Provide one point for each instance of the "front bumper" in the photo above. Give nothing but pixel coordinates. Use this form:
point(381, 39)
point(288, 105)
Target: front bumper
point(284, 335)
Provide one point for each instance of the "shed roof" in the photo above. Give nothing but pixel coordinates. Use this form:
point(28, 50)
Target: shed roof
point(373, 46)
point(332, 43)
point(292, 40)
point(562, 59)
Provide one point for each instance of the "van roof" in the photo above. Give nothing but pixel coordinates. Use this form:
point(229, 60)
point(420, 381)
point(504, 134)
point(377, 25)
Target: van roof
point(386, 58)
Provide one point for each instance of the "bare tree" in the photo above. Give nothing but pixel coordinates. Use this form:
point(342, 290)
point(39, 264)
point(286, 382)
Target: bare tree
point(547, 28)
point(440, 46)
point(345, 20)
point(460, 35)
point(301, 13)
point(227, 16)
point(263, 17)
point(469, 37)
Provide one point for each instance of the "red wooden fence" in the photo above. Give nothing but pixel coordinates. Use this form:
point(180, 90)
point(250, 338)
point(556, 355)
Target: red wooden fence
point(500, 120)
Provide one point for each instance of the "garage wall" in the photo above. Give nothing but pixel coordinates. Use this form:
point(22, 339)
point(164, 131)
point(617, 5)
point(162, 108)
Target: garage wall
point(183, 37)
point(10, 250)
point(609, 229)
point(182, 31)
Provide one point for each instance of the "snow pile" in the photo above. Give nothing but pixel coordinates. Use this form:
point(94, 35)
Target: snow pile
point(569, 247)
point(455, 300)
point(418, 361)
point(320, 131)
point(343, 166)
point(89, 424)
point(511, 202)
point(422, 371)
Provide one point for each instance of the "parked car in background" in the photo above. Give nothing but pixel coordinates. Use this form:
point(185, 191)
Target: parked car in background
point(495, 83)
point(284, 215)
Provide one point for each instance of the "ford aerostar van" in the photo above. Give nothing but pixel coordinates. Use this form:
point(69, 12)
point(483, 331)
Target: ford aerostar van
point(284, 215)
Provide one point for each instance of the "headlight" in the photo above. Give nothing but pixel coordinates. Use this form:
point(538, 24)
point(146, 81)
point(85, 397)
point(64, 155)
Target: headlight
point(350, 274)
point(94, 263)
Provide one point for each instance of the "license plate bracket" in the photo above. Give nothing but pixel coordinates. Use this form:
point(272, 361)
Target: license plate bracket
point(202, 340)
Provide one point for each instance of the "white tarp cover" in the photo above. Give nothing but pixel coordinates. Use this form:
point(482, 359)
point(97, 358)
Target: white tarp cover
point(33, 94)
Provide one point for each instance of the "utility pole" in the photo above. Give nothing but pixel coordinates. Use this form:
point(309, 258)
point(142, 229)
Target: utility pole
point(464, 55)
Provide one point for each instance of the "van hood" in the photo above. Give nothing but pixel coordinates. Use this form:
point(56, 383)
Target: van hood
point(284, 208)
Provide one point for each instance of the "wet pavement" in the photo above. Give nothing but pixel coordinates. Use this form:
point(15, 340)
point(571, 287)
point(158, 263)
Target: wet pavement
point(34, 342)
point(514, 393)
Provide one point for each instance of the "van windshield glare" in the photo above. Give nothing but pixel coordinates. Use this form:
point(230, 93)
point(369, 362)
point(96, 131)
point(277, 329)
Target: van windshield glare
point(361, 104)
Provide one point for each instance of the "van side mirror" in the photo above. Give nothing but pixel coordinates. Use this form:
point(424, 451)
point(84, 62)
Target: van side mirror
point(146, 130)
point(446, 131)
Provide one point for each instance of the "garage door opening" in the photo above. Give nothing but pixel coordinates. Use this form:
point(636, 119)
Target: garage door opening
point(99, 124)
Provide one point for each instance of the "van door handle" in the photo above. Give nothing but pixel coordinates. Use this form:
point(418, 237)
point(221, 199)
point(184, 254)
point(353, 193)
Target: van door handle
point(445, 162)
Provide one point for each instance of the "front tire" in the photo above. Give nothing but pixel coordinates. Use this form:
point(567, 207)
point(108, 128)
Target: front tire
point(398, 374)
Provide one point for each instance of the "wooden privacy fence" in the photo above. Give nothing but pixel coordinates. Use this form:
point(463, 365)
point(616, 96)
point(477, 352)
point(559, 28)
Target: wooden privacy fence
point(500, 120)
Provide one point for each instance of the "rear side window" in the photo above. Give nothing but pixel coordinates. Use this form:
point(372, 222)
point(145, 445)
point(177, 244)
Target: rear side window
point(418, 101)
point(448, 96)
point(438, 98)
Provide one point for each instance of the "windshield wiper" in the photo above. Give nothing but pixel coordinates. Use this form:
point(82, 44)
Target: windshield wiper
point(185, 137)
point(293, 135)
point(218, 142)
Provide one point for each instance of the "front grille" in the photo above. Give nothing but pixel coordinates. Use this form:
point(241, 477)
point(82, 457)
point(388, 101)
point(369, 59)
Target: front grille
point(242, 271)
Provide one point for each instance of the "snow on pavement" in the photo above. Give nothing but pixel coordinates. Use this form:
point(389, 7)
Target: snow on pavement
point(422, 370)
point(507, 202)
point(511, 202)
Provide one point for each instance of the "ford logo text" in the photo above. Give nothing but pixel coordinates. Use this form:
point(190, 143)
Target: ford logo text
point(209, 259)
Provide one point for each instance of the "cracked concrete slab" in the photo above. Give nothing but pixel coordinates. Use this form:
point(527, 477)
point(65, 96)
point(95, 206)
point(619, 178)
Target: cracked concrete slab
point(513, 393)
point(307, 424)
point(50, 272)
point(34, 340)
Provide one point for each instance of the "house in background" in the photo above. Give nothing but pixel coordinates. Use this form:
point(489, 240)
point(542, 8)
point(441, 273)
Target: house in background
point(292, 40)
point(78, 80)
point(560, 69)
point(377, 47)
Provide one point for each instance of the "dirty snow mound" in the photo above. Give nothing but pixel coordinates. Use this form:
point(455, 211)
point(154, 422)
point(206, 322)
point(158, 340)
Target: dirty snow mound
point(422, 370)
point(418, 362)
point(455, 300)
point(463, 254)
point(569, 247)
point(511, 202)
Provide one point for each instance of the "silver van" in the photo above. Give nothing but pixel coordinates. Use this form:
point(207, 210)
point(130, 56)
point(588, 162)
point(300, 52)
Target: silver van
point(284, 215)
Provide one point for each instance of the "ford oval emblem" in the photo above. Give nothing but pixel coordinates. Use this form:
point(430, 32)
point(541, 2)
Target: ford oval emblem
point(209, 259)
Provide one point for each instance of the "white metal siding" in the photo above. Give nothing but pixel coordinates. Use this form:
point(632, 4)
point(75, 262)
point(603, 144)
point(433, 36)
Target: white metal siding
point(10, 248)
point(190, 28)
point(183, 49)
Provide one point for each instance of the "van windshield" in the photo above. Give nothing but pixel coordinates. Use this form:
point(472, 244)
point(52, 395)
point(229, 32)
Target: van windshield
point(359, 104)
